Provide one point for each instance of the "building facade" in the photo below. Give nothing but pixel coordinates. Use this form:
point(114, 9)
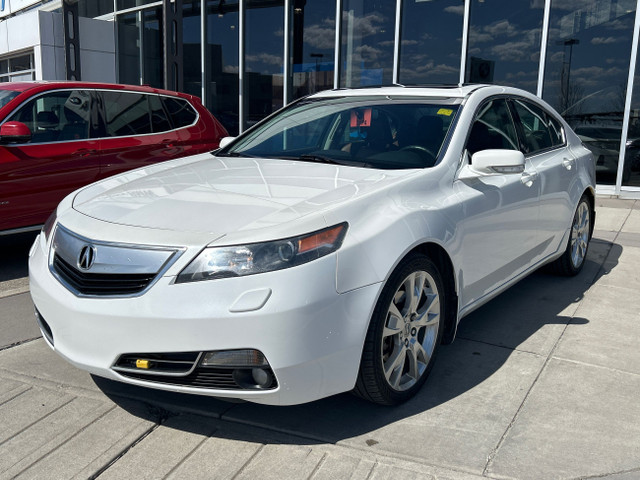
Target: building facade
point(247, 58)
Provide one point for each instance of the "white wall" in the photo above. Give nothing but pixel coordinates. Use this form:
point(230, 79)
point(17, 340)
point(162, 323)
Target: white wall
point(43, 33)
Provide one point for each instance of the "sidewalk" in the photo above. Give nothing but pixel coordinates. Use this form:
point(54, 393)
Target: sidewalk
point(543, 382)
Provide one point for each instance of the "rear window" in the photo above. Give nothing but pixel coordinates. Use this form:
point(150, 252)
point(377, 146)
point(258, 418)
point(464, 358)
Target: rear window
point(181, 112)
point(126, 113)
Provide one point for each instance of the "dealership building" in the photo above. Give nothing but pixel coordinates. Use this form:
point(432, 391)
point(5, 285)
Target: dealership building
point(247, 58)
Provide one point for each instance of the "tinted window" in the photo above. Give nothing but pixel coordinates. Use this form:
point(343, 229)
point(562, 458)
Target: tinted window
point(126, 114)
point(180, 111)
point(371, 132)
point(493, 128)
point(6, 96)
point(159, 120)
point(57, 116)
point(539, 130)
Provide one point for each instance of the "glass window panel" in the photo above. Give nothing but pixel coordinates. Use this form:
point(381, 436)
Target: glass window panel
point(18, 64)
point(264, 48)
point(57, 116)
point(536, 127)
point(126, 114)
point(94, 8)
point(124, 4)
point(504, 42)
point(128, 48)
point(312, 46)
point(366, 52)
point(191, 48)
point(182, 114)
point(159, 120)
point(431, 39)
point(493, 128)
point(4, 66)
point(586, 73)
point(153, 53)
point(222, 63)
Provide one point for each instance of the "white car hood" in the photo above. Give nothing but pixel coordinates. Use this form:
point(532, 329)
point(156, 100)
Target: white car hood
point(217, 195)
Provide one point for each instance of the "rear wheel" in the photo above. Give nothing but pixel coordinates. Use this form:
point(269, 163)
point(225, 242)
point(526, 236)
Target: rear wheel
point(404, 333)
point(573, 258)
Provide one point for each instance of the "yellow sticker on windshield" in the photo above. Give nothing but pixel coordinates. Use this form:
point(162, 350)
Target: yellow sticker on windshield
point(445, 111)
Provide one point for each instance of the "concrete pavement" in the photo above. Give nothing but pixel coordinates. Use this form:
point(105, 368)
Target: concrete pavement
point(542, 383)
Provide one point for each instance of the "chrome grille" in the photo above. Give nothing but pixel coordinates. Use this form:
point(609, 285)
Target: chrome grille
point(100, 283)
point(91, 268)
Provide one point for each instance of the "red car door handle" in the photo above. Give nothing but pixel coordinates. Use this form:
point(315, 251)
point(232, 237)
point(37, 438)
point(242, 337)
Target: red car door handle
point(167, 143)
point(84, 152)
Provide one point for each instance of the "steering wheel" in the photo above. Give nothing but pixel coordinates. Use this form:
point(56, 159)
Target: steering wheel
point(423, 152)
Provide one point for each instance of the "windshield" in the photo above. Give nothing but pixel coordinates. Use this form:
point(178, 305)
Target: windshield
point(375, 132)
point(6, 96)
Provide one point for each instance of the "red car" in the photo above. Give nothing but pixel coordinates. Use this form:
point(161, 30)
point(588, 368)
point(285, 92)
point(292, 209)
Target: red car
point(58, 136)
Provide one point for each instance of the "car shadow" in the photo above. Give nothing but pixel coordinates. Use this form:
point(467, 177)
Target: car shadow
point(526, 321)
point(14, 254)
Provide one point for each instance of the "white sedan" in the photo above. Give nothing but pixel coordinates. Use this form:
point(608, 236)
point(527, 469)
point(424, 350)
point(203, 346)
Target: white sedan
point(332, 247)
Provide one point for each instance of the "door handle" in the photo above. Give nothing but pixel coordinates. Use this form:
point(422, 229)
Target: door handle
point(568, 163)
point(84, 152)
point(528, 178)
point(167, 143)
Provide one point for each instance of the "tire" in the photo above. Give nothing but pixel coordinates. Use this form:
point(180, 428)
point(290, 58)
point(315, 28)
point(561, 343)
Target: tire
point(573, 258)
point(404, 333)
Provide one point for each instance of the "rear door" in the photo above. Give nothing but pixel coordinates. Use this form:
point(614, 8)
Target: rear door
point(137, 131)
point(60, 157)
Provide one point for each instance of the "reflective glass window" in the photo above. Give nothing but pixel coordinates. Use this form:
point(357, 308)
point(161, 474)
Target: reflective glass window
point(493, 128)
point(631, 171)
point(539, 131)
point(431, 39)
point(182, 114)
point(18, 64)
point(57, 116)
point(159, 120)
point(366, 51)
point(191, 48)
point(153, 51)
point(126, 113)
point(504, 42)
point(312, 46)
point(124, 4)
point(588, 56)
point(128, 48)
point(94, 8)
point(264, 58)
point(222, 63)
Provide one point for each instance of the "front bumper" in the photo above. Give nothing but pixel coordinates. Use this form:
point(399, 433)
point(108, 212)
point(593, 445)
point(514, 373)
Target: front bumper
point(311, 336)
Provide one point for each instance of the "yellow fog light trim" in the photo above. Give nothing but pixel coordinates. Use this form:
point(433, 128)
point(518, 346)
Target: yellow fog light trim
point(142, 363)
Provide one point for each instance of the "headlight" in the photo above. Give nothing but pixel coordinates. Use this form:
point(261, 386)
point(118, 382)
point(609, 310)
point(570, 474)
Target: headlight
point(48, 226)
point(241, 260)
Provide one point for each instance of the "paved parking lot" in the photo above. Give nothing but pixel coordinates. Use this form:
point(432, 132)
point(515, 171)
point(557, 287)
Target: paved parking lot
point(543, 382)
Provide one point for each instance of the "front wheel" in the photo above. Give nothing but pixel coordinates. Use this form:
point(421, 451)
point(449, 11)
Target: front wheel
point(573, 258)
point(404, 333)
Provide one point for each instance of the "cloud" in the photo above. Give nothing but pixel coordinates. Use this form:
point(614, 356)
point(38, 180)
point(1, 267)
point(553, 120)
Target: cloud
point(455, 9)
point(321, 35)
point(264, 58)
point(604, 40)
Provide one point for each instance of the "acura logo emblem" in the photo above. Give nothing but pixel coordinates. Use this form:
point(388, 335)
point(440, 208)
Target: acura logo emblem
point(86, 257)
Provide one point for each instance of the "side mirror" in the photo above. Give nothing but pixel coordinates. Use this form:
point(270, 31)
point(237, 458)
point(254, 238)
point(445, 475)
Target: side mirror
point(14, 132)
point(226, 141)
point(498, 161)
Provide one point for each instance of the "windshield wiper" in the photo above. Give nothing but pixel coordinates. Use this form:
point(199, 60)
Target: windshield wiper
point(233, 154)
point(330, 160)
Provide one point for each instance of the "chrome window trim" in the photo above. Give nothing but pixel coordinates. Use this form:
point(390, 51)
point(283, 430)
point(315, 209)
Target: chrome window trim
point(67, 89)
point(174, 253)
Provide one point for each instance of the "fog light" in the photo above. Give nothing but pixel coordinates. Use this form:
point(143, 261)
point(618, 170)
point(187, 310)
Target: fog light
point(261, 377)
point(234, 358)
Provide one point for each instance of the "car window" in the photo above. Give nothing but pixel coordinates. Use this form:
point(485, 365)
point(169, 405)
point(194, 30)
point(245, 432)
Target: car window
point(56, 116)
point(384, 133)
point(182, 114)
point(159, 120)
point(126, 113)
point(493, 128)
point(540, 130)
